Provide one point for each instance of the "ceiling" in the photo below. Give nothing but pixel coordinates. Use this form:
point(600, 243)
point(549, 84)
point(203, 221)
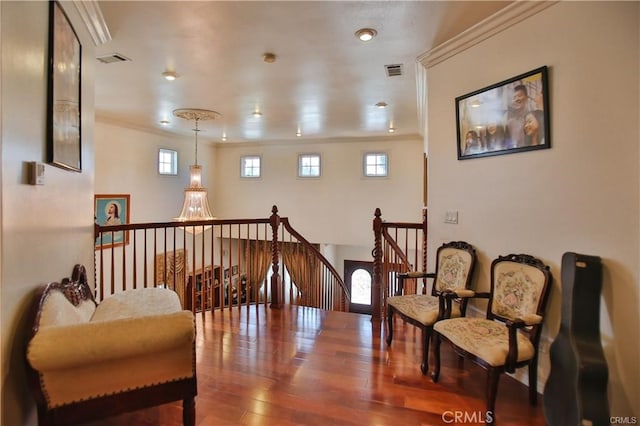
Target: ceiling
point(325, 83)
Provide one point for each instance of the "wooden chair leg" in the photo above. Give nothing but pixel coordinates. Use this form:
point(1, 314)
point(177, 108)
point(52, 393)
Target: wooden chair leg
point(493, 378)
point(389, 325)
point(435, 374)
point(460, 362)
point(189, 411)
point(426, 338)
point(533, 381)
point(43, 418)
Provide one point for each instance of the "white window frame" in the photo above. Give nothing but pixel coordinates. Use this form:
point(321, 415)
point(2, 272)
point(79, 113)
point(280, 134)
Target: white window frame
point(365, 164)
point(301, 167)
point(243, 167)
point(171, 164)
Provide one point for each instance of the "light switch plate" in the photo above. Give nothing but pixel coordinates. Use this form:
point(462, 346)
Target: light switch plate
point(36, 173)
point(451, 216)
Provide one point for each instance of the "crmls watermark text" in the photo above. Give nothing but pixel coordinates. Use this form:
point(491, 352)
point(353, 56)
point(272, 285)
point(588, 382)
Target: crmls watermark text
point(467, 417)
point(623, 420)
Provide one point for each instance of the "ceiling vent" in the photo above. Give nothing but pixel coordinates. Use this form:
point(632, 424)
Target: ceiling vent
point(393, 70)
point(113, 57)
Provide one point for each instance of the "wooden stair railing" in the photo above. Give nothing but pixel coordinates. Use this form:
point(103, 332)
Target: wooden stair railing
point(398, 247)
point(213, 264)
point(322, 287)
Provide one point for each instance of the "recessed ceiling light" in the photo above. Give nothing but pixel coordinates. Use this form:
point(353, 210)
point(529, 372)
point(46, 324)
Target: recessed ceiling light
point(381, 105)
point(366, 34)
point(164, 122)
point(170, 75)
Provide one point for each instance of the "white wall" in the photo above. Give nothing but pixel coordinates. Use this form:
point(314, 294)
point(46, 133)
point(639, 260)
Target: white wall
point(338, 207)
point(127, 163)
point(45, 229)
point(581, 195)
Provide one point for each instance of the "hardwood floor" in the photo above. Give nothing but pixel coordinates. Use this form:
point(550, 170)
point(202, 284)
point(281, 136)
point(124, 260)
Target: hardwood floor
point(304, 366)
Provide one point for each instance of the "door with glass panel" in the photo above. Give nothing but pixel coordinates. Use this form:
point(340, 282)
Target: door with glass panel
point(358, 276)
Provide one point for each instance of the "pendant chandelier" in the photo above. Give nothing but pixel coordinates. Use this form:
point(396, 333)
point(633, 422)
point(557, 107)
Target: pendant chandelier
point(196, 205)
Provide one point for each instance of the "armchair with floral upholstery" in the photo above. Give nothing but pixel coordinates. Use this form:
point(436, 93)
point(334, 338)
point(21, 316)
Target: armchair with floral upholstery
point(509, 335)
point(455, 263)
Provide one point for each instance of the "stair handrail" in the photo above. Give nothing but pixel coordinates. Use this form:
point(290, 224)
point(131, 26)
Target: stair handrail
point(102, 234)
point(395, 247)
point(287, 225)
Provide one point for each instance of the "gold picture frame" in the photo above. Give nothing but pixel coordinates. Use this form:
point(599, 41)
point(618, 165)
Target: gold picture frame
point(112, 210)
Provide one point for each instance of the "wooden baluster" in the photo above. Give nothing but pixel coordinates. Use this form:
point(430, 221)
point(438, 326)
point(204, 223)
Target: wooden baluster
point(144, 254)
point(212, 288)
point(424, 248)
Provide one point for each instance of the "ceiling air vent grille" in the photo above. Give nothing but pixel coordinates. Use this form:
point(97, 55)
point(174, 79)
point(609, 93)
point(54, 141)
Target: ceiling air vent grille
point(393, 70)
point(113, 57)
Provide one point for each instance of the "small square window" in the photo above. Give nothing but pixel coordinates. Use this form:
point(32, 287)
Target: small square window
point(250, 166)
point(376, 164)
point(309, 165)
point(167, 162)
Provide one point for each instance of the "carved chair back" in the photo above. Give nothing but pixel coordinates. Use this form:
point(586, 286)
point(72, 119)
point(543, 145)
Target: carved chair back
point(519, 289)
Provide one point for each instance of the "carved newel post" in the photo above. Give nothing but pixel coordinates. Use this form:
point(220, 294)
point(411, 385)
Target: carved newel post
point(576, 392)
point(277, 293)
point(376, 289)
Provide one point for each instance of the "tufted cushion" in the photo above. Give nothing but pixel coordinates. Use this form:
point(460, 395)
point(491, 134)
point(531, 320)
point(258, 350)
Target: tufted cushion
point(137, 303)
point(486, 339)
point(453, 268)
point(58, 310)
point(420, 307)
point(517, 290)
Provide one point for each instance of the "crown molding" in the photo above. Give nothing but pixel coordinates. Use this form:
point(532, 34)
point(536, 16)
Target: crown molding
point(494, 24)
point(396, 137)
point(91, 15)
point(300, 142)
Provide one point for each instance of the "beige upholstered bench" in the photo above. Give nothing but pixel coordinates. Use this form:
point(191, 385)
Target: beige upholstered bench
point(85, 361)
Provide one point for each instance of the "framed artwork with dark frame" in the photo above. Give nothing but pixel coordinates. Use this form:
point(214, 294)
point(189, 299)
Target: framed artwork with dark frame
point(112, 209)
point(64, 147)
point(506, 117)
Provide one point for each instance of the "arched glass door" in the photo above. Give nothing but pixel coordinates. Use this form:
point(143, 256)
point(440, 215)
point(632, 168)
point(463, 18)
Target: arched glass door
point(358, 277)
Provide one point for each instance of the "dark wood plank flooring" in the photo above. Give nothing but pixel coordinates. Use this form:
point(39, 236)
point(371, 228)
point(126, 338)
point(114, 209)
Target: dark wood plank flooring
point(304, 366)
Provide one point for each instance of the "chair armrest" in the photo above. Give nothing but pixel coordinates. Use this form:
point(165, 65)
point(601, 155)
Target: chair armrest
point(512, 355)
point(525, 321)
point(62, 347)
point(532, 319)
point(513, 326)
point(462, 293)
point(417, 274)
